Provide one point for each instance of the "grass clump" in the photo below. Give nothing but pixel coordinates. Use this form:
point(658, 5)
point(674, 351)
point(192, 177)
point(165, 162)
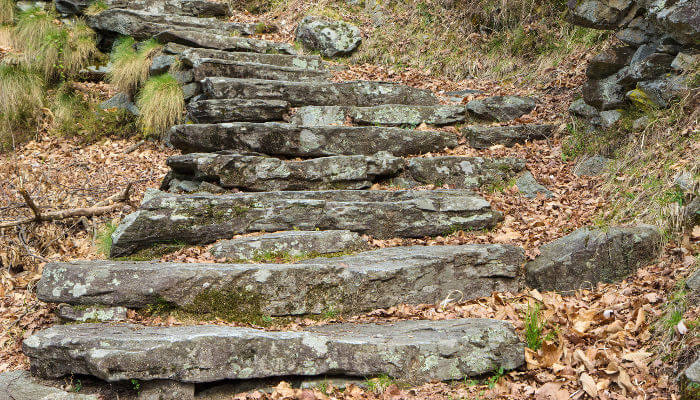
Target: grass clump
point(103, 240)
point(534, 328)
point(7, 11)
point(161, 102)
point(379, 383)
point(21, 97)
point(95, 7)
point(130, 63)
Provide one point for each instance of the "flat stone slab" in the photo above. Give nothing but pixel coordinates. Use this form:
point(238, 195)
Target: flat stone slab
point(260, 173)
point(209, 67)
point(481, 137)
point(254, 172)
point(288, 140)
point(587, 256)
point(229, 110)
point(192, 8)
point(298, 94)
point(415, 351)
point(21, 385)
point(191, 55)
point(213, 40)
point(384, 115)
point(288, 245)
point(348, 284)
point(205, 218)
point(501, 108)
point(143, 25)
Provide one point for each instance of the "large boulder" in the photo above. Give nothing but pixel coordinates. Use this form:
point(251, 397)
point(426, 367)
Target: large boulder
point(588, 256)
point(600, 14)
point(330, 38)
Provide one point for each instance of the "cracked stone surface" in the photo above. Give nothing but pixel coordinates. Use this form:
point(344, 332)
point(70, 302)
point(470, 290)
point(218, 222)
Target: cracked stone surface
point(190, 55)
point(291, 243)
point(212, 39)
point(209, 67)
point(588, 256)
point(229, 110)
point(348, 284)
point(288, 140)
point(384, 115)
point(415, 351)
point(482, 137)
point(298, 94)
point(205, 218)
point(260, 173)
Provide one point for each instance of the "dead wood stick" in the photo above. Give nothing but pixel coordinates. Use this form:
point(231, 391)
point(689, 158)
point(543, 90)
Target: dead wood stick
point(122, 197)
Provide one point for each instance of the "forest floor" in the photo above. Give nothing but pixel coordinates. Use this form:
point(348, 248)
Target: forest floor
point(614, 341)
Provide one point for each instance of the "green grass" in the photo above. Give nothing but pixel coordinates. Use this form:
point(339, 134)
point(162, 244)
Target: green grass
point(534, 327)
point(379, 383)
point(161, 103)
point(130, 63)
point(95, 7)
point(103, 241)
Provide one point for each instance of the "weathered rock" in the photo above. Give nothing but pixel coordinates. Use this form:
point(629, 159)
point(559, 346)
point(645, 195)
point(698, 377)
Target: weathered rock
point(183, 76)
point(95, 73)
point(120, 101)
point(638, 32)
point(529, 187)
point(692, 212)
point(690, 382)
point(685, 61)
point(21, 385)
point(588, 256)
point(579, 108)
point(501, 108)
point(298, 94)
point(229, 110)
point(204, 218)
point(660, 92)
point(191, 8)
point(591, 166)
point(191, 55)
point(213, 40)
point(459, 172)
point(693, 284)
point(261, 173)
point(161, 64)
point(600, 14)
point(166, 390)
point(330, 38)
point(486, 136)
point(209, 67)
point(349, 284)
point(415, 351)
point(294, 141)
point(604, 94)
point(91, 314)
point(609, 62)
point(71, 7)
point(680, 20)
point(384, 115)
point(607, 119)
point(143, 25)
point(647, 67)
point(286, 245)
point(191, 90)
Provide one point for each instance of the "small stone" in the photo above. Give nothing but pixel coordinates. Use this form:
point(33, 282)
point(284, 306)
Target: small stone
point(501, 108)
point(166, 390)
point(693, 285)
point(638, 32)
point(183, 76)
point(91, 314)
point(331, 38)
point(587, 256)
point(640, 123)
point(530, 188)
point(690, 382)
point(684, 181)
point(599, 14)
point(161, 64)
point(609, 62)
point(608, 118)
point(662, 91)
point(191, 89)
point(591, 166)
point(685, 61)
point(21, 385)
point(579, 108)
point(604, 94)
point(120, 101)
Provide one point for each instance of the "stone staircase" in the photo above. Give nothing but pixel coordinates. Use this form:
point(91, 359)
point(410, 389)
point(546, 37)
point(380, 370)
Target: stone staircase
point(272, 144)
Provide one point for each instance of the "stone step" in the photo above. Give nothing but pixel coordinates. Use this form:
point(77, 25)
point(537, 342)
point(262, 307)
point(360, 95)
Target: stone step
point(288, 246)
point(224, 110)
point(143, 25)
point(486, 136)
point(415, 351)
point(210, 67)
point(262, 173)
point(205, 218)
point(501, 108)
point(355, 93)
point(383, 115)
point(347, 284)
point(213, 40)
point(189, 56)
point(192, 8)
point(288, 140)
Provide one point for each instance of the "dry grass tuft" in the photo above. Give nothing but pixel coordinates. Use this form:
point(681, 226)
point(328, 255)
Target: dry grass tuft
point(21, 97)
point(130, 65)
point(161, 103)
point(7, 11)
